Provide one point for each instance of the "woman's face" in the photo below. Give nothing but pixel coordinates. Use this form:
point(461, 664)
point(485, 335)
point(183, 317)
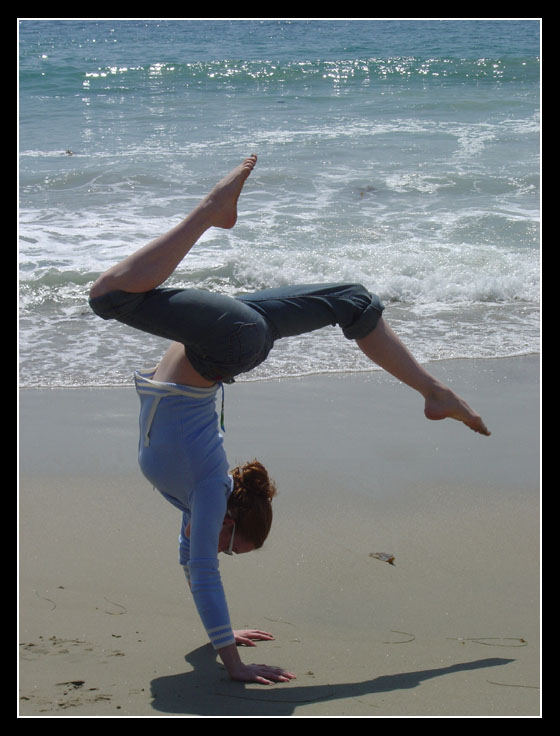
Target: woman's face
point(238, 545)
point(231, 542)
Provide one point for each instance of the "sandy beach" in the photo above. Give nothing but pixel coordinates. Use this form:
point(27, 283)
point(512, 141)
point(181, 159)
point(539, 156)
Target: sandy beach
point(107, 627)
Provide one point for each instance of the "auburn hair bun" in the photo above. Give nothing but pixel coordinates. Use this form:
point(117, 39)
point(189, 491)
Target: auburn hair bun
point(253, 478)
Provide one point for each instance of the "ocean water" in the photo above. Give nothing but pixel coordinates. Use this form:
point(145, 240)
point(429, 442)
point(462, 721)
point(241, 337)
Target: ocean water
point(400, 154)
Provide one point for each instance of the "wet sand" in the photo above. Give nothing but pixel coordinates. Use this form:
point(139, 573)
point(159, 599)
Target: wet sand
point(452, 628)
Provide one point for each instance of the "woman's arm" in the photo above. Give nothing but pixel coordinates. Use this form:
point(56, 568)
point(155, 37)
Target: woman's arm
point(208, 512)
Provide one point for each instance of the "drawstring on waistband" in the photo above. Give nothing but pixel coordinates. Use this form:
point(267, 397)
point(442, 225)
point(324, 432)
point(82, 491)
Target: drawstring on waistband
point(222, 413)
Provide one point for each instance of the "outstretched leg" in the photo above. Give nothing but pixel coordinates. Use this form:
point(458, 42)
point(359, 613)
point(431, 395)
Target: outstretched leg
point(150, 266)
point(383, 347)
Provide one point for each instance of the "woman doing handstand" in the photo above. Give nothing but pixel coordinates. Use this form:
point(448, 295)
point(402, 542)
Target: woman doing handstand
point(214, 338)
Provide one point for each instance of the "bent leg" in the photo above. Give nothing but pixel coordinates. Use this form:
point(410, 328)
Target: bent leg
point(384, 348)
point(303, 308)
point(150, 266)
point(128, 290)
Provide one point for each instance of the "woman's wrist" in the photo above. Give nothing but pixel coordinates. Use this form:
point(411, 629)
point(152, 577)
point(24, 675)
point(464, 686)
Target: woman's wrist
point(231, 659)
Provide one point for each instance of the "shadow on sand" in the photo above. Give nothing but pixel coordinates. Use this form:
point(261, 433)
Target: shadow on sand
point(199, 693)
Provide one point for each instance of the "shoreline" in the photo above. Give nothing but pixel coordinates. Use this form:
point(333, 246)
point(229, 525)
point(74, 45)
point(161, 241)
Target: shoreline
point(336, 372)
point(453, 628)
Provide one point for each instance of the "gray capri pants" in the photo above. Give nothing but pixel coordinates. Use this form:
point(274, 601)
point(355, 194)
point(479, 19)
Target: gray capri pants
point(225, 336)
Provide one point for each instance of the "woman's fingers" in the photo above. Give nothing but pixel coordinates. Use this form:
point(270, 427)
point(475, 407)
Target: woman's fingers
point(243, 642)
point(263, 674)
point(261, 635)
point(275, 674)
point(246, 637)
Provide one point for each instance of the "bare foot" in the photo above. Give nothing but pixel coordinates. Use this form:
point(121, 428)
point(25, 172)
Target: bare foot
point(221, 203)
point(443, 403)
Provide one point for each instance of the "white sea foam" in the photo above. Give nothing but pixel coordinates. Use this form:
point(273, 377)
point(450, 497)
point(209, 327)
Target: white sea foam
point(381, 161)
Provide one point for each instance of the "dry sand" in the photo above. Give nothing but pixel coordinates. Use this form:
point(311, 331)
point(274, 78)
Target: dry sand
point(107, 627)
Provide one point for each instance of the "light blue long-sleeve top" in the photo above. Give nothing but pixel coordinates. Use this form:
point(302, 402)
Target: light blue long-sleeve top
point(181, 453)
